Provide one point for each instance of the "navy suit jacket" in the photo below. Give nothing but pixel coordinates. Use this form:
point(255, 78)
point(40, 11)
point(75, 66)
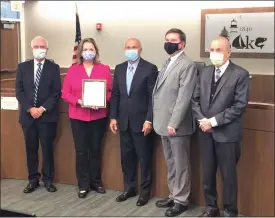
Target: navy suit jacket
point(49, 91)
point(137, 107)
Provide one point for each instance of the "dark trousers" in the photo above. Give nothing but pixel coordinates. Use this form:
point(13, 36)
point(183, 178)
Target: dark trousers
point(135, 146)
point(46, 133)
point(225, 156)
point(87, 139)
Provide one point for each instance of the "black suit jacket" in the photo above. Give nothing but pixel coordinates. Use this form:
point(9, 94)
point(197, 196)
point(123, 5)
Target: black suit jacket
point(49, 91)
point(137, 107)
point(228, 103)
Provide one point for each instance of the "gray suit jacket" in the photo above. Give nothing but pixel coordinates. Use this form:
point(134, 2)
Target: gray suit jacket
point(228, 103)
point(172, 98)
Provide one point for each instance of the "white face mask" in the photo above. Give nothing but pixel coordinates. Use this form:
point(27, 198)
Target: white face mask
point(39, 53)
point(216, 58)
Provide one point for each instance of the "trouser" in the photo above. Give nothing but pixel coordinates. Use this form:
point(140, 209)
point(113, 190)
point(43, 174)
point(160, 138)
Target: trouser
point(45, 133)
point(225, 156)
point(135, 146)
point(177, 155)
point(88, 136)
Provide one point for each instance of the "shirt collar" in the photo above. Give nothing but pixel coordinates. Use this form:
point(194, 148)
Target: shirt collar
point(36, 62)
point(174, 57)
point(135, 64)
point(223, 67)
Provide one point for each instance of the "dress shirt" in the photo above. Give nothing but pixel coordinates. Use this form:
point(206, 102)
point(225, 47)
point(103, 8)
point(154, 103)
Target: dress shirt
point(213, 120)
point(173, 59)
point(36, 67)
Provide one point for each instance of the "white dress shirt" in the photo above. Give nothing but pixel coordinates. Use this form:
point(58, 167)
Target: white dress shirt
point(222, 69)
point(173, 59)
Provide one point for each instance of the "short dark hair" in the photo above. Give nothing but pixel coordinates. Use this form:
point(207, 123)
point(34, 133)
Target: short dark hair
point(180, 32)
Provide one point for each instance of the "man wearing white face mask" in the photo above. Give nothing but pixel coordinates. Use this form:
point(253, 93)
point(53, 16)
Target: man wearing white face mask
point(218, 102)
point(38, 90)
point(131, 112)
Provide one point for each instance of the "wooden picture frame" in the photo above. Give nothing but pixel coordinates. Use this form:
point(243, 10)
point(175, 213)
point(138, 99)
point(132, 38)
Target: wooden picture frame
point(96, 87)
point(234, 54)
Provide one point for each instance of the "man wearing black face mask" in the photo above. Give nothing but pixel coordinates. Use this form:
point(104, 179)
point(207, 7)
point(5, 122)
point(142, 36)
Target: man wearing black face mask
point(172, 119)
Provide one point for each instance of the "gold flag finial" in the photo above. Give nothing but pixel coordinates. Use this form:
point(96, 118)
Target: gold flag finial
point(76, 9)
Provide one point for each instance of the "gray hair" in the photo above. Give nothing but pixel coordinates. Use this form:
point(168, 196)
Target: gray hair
point(39, 37)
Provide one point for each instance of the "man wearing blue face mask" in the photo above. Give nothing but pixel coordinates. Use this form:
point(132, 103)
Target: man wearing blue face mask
point(38, 90)
point(131, 113)
point(218, 102)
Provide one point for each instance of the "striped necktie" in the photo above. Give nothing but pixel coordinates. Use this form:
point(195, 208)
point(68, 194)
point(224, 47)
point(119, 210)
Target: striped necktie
point(36, 84)
point(217, 74)
point(161, 73)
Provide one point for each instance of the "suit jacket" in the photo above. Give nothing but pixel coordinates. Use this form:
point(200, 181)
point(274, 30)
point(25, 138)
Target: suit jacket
point(228, 103)
point(137, 107)
point(172, 98)
point(49, 91)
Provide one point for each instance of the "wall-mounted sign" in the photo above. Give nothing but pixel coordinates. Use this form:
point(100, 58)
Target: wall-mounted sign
point(249, 30)
point(9, 103)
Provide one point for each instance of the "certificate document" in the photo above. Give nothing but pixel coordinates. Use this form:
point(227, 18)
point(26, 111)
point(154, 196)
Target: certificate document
point(94, 93)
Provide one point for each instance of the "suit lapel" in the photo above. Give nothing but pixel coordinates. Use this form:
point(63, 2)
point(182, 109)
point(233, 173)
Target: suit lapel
point(169, 70)
point(31, 71)
point(208, 83)
point(137, 75)
point(44, 69)
point(224, 78)
point(124, 69)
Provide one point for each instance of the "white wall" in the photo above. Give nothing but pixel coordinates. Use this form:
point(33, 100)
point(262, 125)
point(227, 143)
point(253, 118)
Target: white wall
point(146, 20)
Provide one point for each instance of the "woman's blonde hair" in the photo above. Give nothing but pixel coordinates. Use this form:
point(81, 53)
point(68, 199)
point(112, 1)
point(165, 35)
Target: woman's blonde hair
point(79, 57)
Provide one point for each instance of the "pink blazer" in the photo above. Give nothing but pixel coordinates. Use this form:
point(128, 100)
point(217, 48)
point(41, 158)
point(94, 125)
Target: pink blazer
point(72, 90)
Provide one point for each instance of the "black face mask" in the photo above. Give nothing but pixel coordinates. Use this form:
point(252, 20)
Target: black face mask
point(170, 47)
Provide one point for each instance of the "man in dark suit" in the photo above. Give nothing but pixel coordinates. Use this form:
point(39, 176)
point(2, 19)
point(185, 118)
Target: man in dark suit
point(38, 89)
point(219, 100)
point(131, 111)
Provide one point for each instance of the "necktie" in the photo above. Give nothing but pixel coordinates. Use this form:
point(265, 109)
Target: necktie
point(217, 74)
point(129, 78)
point(161, 73)
point(36, 84)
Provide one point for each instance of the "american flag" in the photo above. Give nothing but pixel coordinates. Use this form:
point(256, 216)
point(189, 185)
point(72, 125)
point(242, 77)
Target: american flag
point(77, 35)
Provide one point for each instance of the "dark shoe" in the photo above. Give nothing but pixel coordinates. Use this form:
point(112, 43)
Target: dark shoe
point(100, 190)
point(31, 187)
point(166, 202)
point(125, 195)
point(176, 210)
point(226, 213)
point(50, 187)
point(142, 200)
point(82, 193)
point(210, 212)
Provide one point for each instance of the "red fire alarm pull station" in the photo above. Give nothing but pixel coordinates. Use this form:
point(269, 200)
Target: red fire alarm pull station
point(99, 26)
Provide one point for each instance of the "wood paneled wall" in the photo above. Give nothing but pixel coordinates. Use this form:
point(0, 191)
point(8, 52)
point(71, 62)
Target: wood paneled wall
point(261, 86)
point(9, 48)
point(255, 169)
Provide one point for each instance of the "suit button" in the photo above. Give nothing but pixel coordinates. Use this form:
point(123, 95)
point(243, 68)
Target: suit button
point(212, 95)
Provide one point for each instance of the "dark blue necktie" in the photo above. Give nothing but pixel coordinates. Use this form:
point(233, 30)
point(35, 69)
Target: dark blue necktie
point(36, 84)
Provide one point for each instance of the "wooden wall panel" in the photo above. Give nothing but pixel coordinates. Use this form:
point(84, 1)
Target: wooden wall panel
point(9, 47)
point(261, 86)
point(255, 169)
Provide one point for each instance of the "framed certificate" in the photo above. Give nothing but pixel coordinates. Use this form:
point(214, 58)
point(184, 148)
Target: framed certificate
point(94, 93)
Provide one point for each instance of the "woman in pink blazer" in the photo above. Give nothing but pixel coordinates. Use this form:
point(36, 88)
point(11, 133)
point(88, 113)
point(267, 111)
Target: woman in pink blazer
point(88, 124)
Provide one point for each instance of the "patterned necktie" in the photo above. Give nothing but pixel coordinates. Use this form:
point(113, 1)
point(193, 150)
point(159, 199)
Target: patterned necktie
point(161, 73)
point(129, 78)
point(217, 74)
point(36, 84)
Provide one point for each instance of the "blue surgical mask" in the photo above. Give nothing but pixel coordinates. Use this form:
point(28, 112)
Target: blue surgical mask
point(88, 55)
point(131, 54)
